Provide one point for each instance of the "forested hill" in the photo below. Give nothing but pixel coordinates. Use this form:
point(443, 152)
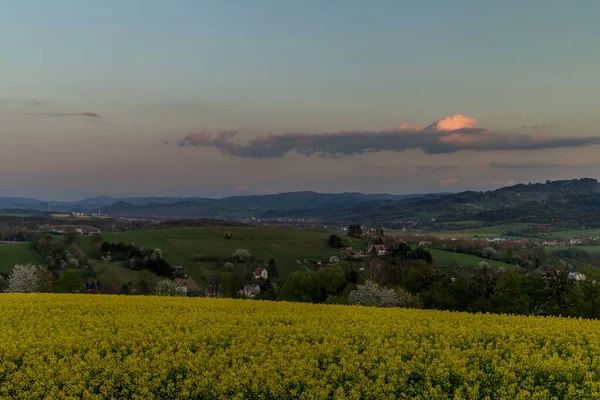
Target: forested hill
point(568, 203)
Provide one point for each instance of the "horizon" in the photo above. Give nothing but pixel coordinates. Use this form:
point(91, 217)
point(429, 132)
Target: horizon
point(218, 99)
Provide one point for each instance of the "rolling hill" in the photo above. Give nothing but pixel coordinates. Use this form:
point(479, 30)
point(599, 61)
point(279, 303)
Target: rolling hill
point(182, 246)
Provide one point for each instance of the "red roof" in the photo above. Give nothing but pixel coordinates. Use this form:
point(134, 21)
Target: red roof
point(258, 271)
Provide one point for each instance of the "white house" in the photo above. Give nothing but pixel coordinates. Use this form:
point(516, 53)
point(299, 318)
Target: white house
point(250, 291)
point(261, 273)
point(577, 276)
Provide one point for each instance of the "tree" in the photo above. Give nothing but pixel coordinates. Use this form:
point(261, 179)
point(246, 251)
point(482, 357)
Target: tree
point(355, 230)
point(272, 271)
point(168, 287)
point(30, 278)
point(242, 254)
point(371, 294)
point(334, 260)
point(334, 241)
point(3, 283)
point(143, 287)
point(407, 299)
point(69, 282)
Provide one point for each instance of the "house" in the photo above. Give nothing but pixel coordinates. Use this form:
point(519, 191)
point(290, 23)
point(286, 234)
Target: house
point(211, 291)
point(178, 268)
point(577, 276)
point(250, 291)
point(261, 273)
point(378, 249)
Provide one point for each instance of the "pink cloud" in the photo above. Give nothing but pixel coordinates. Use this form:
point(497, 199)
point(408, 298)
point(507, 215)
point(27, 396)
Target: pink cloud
point(406, 127)
point(450, 181)
point(455, 122)
point(511, 182)
point(241, 188)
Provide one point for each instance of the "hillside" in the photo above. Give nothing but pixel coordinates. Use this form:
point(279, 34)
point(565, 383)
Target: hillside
point(569, 204)
point(183, 246)
point(19, 253)
point(98, 346)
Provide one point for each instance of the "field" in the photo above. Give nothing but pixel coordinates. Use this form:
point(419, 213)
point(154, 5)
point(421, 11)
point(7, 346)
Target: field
point(136, 347)
point(488, 231)
point(18, 253)
point(580, 233)
point(589, 249)
point(113, 275)
point(443, 257)
point(180, 246)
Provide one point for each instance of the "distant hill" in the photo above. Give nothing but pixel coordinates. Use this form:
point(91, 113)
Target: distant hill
point(198, 207)
point(566, 203)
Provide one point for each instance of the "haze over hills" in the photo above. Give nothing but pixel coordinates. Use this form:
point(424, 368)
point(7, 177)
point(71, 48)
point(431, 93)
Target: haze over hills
point(248, 205)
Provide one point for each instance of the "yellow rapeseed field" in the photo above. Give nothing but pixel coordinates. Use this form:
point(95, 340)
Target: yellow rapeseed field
point(99, 347)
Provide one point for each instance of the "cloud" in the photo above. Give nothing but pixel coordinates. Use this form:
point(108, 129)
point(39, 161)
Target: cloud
point(87, 114)
point(437, 138)
point(453, 123)
point(540, 126)
point(511, 182)
point(33, 103)
point(450, 181)
point(435, 167)
point(524, 165)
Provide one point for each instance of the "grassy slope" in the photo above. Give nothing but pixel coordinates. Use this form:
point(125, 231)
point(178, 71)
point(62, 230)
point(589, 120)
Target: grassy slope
point(581, 233)
point(488, 231)
point(20, 253)
point(442, 257)
point(589, 249)
point(181, 245)
point(114, 275)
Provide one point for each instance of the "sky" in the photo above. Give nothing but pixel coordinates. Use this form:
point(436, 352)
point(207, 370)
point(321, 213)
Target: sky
point(216, 98)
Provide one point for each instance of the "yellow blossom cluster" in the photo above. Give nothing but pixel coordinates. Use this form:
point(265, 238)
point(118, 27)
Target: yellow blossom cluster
point(139, 347)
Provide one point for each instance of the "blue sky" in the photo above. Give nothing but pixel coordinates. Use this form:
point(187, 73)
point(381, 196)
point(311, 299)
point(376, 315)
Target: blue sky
point(157, 72)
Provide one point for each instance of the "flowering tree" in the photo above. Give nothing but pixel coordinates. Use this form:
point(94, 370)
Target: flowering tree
point(371, 294)
point(168, 287)
point(241, 254)
point(30, 278)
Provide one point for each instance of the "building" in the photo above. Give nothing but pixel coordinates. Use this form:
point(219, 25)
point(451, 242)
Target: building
point(378, 249)
point(250, 291)
point(577, 276)
point(261, 273)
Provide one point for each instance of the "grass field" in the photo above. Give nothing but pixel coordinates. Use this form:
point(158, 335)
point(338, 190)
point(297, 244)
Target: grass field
point(141, 347)
point(113, 275)
point(19, 253)
point(443, 257)
point(488, 231)
point(589, 249)
point(581, 233)
point(180, 246)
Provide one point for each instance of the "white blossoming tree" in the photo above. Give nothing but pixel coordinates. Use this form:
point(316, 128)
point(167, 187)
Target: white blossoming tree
point(371, 294)
point(30, 278)
point(168, 287)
